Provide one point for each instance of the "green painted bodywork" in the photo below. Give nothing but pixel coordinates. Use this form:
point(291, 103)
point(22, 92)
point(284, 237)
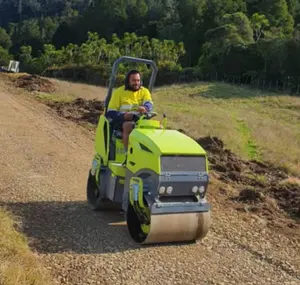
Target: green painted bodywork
point(158, 142)
point(117, 169)
point(139, 205)
point(120, 152)
point(102, 139)
point(148, 124)
point(167, 142)
point(147, 142)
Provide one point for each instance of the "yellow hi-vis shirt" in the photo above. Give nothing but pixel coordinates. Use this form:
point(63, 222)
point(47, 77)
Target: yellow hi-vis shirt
point(126, 100)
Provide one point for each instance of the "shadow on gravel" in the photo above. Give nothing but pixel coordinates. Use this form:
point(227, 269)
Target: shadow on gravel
point(57, 227)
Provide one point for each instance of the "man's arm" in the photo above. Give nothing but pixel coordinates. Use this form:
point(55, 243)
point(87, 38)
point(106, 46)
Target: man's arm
point(147, 100)
point(114, 106)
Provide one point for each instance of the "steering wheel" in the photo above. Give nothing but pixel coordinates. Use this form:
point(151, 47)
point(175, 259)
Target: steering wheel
point(137, 115)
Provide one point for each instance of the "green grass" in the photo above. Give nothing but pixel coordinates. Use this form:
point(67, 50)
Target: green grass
point(253, 124)
point(55, 97)
point(249, 142)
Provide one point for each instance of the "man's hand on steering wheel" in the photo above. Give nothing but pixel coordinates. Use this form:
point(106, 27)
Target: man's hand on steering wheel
point(142, 109)
point(135, 116)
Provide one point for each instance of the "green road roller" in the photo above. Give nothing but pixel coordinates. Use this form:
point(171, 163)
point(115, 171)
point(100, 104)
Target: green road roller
point(161, 188)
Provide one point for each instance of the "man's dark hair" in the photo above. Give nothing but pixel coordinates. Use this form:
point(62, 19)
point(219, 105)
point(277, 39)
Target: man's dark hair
point(127, 86)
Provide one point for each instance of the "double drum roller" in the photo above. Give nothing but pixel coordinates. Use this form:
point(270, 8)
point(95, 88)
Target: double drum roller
point(163, 185)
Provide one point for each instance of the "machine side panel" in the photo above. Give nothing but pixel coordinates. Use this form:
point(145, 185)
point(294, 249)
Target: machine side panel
point(125, 198)
point(102, 139)
point(111, 186)
point(119, 190)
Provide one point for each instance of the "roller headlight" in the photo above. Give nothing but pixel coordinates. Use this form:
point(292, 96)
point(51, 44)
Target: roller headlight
point(162, 190)
point(169, 189)
point(195, 189)
point(201, 189)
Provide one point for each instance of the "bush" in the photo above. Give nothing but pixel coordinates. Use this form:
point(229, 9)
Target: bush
point(5, 57)
point(99, 75)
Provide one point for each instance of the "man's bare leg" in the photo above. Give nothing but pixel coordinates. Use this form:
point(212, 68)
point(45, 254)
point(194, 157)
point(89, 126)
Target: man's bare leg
point(127, 128)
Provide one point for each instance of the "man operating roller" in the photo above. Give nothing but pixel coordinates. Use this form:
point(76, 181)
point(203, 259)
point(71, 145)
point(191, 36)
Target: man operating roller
point(132, 96)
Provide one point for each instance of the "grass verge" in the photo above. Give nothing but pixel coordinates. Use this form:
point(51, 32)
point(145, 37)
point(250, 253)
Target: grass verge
point(253, 124)
point(18, 265)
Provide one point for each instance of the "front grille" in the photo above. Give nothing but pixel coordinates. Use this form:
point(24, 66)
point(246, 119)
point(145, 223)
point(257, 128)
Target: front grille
point(183, 163)
point(181, 188)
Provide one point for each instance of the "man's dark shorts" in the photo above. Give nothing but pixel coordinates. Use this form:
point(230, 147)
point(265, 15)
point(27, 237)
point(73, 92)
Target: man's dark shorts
point(117, 125)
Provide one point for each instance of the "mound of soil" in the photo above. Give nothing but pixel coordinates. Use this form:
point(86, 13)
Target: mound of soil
point(35, 83)
point(258, 185)
point(80, 110)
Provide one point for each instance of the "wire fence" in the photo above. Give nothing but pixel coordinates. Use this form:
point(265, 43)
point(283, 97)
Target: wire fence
point(287, 85)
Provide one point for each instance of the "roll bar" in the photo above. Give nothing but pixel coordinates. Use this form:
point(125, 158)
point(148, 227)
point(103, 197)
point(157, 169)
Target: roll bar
point(115, 70)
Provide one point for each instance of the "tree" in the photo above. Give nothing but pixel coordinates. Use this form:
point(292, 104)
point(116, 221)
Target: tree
point(25, 55)
point(191, 14)
point(235, 32)
point(48, 28)
point(258, 23)
point(242, 24)
point(5, 57)
point(216, 9)
point(5, 40)
point(277, 12)
point(170, 26)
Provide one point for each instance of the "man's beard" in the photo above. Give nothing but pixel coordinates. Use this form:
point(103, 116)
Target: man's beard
point(134, 87)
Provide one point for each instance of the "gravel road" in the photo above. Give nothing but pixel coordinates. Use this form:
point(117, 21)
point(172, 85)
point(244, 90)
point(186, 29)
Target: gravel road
point(44, 164)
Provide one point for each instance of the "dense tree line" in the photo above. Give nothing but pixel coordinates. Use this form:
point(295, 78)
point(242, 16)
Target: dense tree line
point(243, 37)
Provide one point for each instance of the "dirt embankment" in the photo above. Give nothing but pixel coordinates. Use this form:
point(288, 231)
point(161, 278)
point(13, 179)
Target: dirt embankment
point(34, 83)
point(259, 187)
point(80, 110)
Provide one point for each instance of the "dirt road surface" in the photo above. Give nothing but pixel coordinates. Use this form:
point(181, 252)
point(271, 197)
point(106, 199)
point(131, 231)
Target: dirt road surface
point(44, 164)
